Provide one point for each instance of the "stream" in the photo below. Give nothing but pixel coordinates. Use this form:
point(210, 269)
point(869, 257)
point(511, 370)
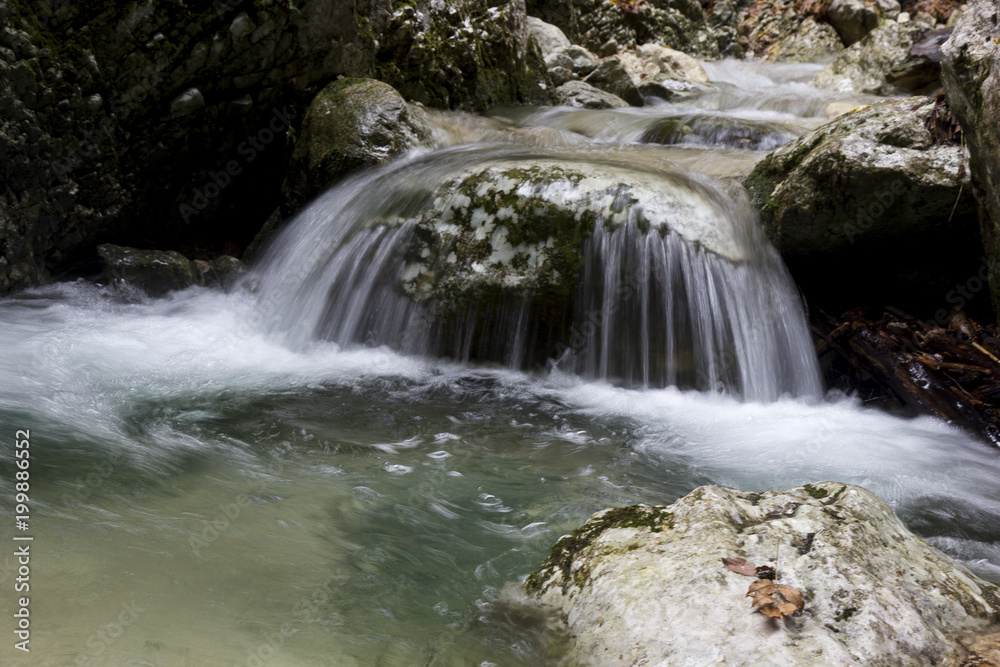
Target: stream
point(269, 477)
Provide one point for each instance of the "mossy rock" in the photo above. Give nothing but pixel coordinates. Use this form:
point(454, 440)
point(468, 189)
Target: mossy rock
point(351, 124)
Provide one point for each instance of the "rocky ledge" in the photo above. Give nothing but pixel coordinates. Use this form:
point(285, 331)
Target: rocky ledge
point(646, 585)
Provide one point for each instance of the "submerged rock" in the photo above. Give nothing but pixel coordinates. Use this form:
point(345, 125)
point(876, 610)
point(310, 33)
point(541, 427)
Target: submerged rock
point(646, 585)
point(708, 129)
point(585, 96)
point(156, 272)
point(881, 64)
point(971, 61)
point(352, 123)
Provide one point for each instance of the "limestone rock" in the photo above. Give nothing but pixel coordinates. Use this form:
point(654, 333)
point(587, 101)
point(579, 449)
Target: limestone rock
point(893, 181)
point(682, 24)
point(646, 585)
point(672, 63)
point(877, 191)
point(156, 272)
point(878, 63)
point(774, 33)
point(610, 76)
point(971, 75)
point(352, 123)
point(549, 37)
point(586, 96)
point(853, 19)
point(583, 61)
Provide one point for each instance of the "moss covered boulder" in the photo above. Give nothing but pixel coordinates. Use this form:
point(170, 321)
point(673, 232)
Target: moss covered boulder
point(516, 230)
point(875, 204)
point(352, 123)
point(646, 584)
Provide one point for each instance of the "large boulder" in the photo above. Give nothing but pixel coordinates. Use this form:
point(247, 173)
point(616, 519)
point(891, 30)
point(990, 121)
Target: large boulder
point(971, 74)
point(517, 229)
point(881, 63)
point(351, 123)
point(884, 190)
point(172, 121)
point(646, 584)
point(853, 19)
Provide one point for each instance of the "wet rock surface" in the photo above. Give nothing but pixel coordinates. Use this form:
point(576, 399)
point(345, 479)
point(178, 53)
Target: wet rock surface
point(971, 62)
point(166, 121)
point(645, 584)
point(352, 123)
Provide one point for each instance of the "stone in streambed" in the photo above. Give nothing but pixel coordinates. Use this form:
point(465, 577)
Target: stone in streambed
point(352, 123)
point(646, 585)
point(585, 96)
point(610, 76)
point(156, 272)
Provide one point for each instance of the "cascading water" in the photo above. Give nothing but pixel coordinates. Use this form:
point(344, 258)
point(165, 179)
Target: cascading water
point(247, 491)
point(676, 285)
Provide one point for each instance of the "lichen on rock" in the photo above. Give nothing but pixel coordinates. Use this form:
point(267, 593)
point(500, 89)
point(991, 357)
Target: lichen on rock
point(645, 584)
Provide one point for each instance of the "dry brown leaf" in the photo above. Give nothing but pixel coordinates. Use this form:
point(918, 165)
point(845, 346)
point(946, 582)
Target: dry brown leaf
point(775, 600)
point(740, 566)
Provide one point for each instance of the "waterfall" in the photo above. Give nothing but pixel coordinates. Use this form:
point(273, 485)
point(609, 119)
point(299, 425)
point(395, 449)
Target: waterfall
point(671, 281)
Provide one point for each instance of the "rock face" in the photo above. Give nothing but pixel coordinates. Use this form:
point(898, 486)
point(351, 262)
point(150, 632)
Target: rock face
point(971, 74)
point(853, 19)
point(880, 63)
point(875, 189)
point(772, 32)
point(679, 24)
point(645, 585)
point(351, 123)
point(172, 120)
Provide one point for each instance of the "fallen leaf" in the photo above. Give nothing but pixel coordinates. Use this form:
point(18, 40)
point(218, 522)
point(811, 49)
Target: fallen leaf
point(775, 600)
point(740, 566)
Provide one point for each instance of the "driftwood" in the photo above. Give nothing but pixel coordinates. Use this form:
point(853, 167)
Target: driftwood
point(903, 364)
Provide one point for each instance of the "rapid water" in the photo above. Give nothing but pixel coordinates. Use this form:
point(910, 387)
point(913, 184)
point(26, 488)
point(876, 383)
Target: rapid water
point(216, 481)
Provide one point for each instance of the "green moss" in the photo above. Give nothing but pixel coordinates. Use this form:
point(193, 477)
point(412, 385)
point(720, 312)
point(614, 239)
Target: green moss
point(652, 518)
point(815, 491)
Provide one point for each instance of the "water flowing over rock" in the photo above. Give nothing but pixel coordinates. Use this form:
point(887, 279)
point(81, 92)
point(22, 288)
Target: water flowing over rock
point(511, 260)
point(971, 75)
point(879, 63)
point(351, 123)
point(882, 190)
point(646, 585)
point(135, 121)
